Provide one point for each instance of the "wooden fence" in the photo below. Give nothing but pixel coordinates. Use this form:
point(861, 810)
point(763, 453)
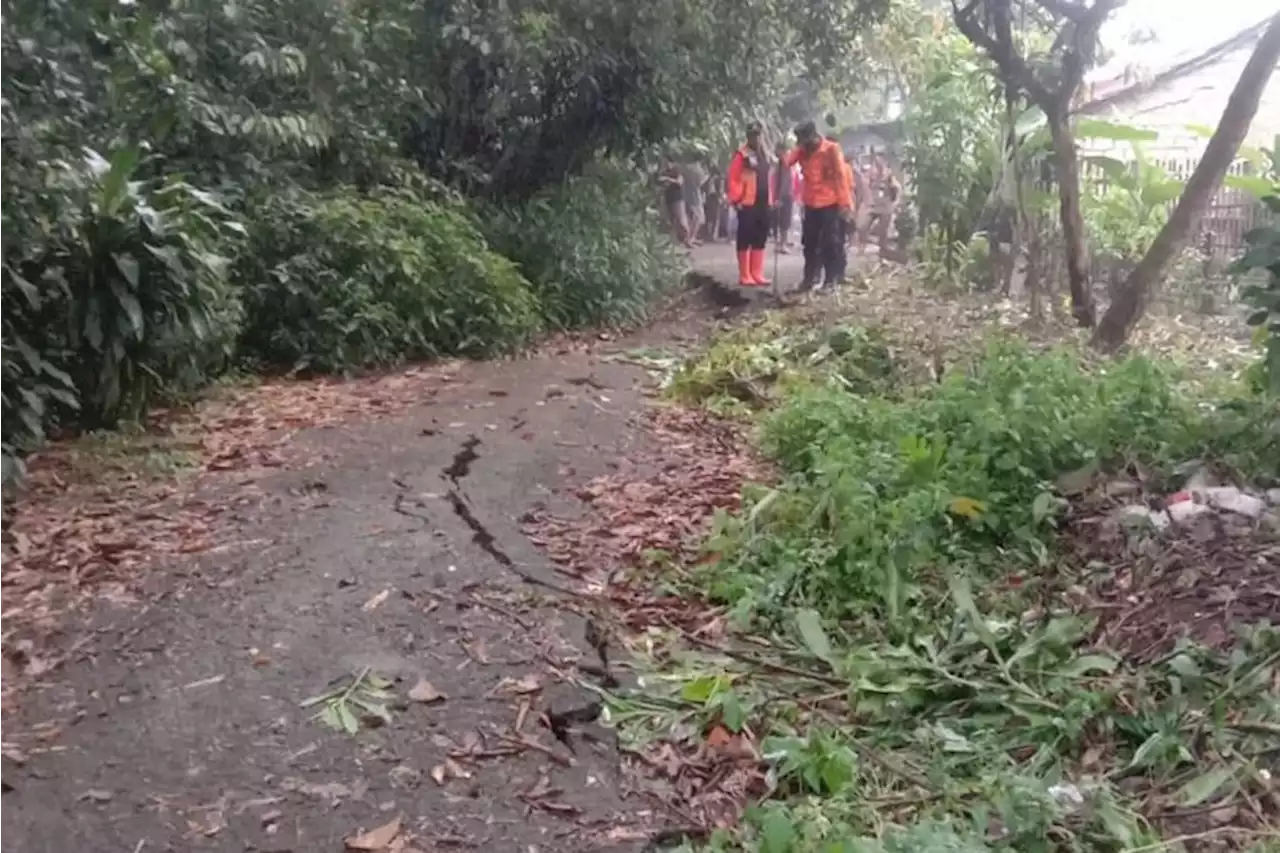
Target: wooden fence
point(1231, 212)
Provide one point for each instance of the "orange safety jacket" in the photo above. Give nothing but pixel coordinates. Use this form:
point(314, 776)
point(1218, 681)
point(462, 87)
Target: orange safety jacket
point(741, 189)
point(827, 177)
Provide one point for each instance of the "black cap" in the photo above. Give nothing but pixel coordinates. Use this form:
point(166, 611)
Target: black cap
point(806, 129)
point(754, 127)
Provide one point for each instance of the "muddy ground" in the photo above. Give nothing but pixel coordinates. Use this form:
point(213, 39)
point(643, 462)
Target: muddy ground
point(393, 546)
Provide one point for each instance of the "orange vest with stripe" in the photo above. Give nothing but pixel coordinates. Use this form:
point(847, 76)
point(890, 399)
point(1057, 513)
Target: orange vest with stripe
point(827, 177)
point(741, 183)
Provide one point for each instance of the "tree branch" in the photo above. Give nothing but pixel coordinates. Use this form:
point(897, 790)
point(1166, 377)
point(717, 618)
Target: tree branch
point(1011, 65)
point(1064, 9)
point(1084, 39)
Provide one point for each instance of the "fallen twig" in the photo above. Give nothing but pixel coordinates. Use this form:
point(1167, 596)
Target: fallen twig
point(530, 743)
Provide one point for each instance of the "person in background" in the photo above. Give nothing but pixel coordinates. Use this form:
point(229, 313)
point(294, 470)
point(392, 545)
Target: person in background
point(847, 222)
point(884, 190)
point(672, 184)
point(828, 202)
point(713, 189)
point(861, 203)
point(750, 193)
point(693, 200)
point(784, 195)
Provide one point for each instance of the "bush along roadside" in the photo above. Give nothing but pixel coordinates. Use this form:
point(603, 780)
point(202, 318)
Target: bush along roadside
point(122, 295)
point(961, 620)
point(593, 249)
point(343, 280)
point(138, 290)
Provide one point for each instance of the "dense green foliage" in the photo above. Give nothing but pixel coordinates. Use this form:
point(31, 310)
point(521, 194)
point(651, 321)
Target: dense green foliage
point(340, 280)
point(1263, 255)
point(592, 249)
point(954, 142)
point(879, 489)
point(311, 125)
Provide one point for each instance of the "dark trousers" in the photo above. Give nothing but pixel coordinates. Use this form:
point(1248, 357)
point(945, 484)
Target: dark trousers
point(713, 218)
point(822, 236)
point(753, 227)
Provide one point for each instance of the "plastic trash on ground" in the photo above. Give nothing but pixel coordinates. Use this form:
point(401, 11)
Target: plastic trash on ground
point(1192, 502)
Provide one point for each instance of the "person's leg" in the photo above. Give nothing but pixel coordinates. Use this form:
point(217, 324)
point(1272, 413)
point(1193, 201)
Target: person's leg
point(753, 225)
point(839, 251)
point(882, 230)
point(760, 239)
point(830, 245)
point(743, 241)
point(679, 222)
point(811, 243)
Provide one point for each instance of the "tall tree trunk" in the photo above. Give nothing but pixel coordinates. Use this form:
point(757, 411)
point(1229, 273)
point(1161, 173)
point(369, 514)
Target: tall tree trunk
point(1068, 168)
point(1131, 301)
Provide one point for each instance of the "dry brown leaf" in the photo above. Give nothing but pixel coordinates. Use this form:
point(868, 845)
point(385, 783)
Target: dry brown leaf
point(526, 684)
point(375, 839)
point(439, 773)
point(13, 753)
point(719, 737)
point(425, 693)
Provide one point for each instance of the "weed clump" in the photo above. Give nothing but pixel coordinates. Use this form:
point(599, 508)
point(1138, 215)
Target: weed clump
point(748, 368)
point(878, 490)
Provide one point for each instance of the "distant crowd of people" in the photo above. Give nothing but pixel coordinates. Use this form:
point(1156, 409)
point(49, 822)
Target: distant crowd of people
point(841, 201)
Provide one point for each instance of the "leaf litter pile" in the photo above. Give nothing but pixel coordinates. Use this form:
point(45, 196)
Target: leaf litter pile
point(94, 512)
point(989, 602)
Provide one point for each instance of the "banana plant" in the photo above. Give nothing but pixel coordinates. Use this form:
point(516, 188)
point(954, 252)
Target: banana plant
point(1127, 213)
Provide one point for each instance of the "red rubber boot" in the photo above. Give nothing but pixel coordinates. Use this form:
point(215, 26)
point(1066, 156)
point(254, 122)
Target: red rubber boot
point(744, 269)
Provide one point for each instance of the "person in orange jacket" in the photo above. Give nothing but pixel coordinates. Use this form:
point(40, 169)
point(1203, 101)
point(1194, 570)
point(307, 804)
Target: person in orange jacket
point(751, 193)
point(828, 203)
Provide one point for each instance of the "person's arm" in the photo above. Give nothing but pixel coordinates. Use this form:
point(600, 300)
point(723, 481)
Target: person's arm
point(844, 186)
point(735, 189)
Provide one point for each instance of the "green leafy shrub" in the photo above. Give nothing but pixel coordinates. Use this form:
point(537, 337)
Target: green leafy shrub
point(1264, 298)
point(339, 281)
point(119, 294)
point(592, 248)
point(879, 490)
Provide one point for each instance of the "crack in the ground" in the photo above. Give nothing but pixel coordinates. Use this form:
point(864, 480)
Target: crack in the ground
point(480, 535)
point(461, 465)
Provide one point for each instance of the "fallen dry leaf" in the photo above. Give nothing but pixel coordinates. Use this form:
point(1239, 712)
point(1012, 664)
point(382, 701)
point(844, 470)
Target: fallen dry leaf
point(719, 737)
point(375, 839)
point(375, 602)
point(439, 773)
point(14, 754)
point(520, 686)
point(425, 693)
